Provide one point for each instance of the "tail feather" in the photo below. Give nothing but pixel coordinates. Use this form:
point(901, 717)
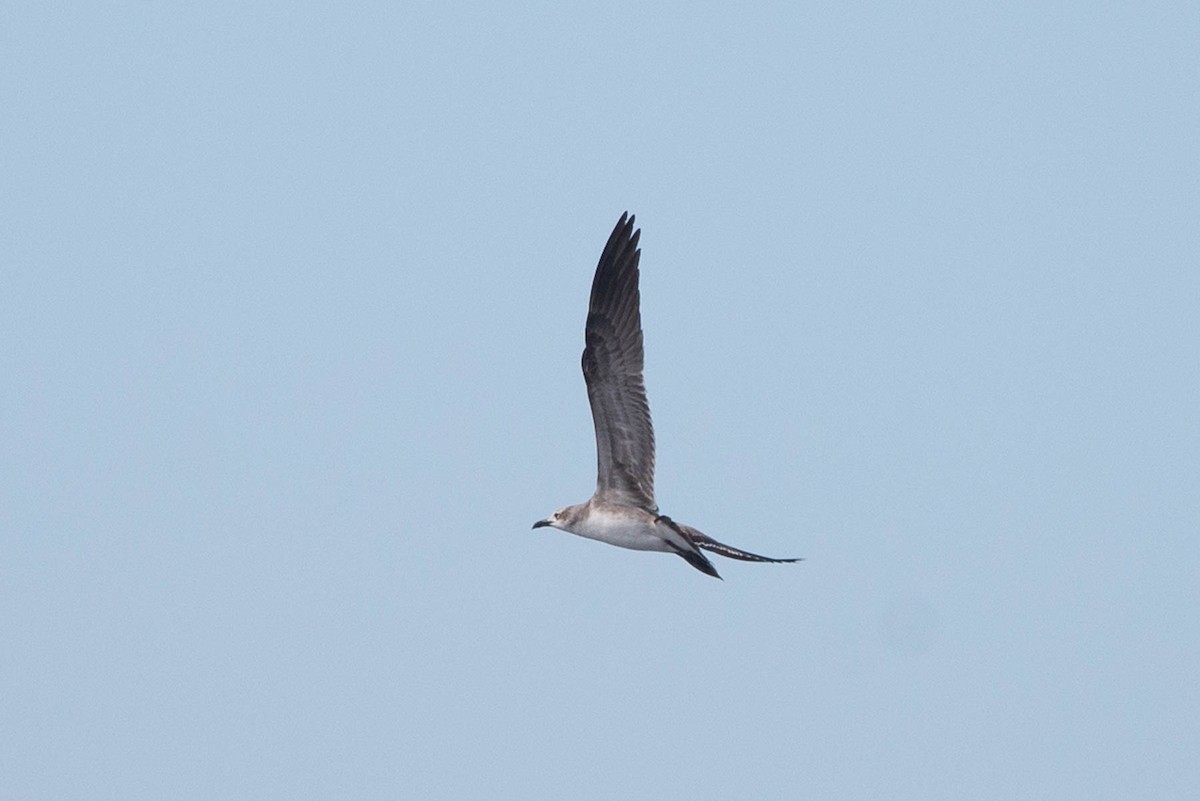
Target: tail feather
point(692, 555)
point(700, 562)
point(709, 544)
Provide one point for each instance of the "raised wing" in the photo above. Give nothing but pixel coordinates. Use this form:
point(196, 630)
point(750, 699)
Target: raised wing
point(612, 368)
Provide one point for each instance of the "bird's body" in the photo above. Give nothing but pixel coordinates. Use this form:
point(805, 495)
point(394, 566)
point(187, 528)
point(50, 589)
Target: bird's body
point(623, 511)
point(624, 526)
point(621, 525)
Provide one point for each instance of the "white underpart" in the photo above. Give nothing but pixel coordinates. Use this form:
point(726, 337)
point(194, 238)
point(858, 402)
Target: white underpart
point(637, 531)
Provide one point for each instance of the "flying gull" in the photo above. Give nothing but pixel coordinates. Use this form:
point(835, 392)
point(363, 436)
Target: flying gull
point(622, 511)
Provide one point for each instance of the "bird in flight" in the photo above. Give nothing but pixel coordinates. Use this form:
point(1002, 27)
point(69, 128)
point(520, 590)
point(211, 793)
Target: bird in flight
point(622, 511)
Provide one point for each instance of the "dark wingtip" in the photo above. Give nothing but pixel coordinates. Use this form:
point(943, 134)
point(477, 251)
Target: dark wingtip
point(626, 224)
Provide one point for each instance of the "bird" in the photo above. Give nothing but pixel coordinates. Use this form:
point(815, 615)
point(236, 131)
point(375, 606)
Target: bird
point(622, 511)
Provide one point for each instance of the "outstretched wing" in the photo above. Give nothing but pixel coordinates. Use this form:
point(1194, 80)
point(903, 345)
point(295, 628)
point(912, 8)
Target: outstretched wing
point(612, 368)
point(709, 544)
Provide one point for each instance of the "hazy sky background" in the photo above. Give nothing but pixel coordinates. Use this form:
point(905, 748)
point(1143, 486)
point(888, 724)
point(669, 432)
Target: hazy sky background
point(291, 310)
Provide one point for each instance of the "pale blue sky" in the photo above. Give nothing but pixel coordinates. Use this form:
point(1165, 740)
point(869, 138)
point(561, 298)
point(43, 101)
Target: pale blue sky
point(290, 319)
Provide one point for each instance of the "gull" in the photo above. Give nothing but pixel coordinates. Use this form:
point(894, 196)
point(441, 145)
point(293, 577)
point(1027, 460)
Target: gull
point(622, 511)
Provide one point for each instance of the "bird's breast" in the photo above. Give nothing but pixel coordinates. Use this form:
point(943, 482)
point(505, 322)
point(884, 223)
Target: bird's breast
point(625, 530)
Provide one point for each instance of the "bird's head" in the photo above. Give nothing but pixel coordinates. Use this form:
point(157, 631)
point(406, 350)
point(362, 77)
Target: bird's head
point(556, 520)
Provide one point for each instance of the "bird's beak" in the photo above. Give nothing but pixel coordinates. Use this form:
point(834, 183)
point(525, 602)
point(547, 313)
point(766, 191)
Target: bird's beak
point(541, 523)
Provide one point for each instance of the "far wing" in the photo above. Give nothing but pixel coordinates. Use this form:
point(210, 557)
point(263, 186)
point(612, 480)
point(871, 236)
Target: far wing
point(612, 368)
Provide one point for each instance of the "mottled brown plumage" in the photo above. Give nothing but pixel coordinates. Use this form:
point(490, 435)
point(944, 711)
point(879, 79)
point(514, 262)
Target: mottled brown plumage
point(623, 511)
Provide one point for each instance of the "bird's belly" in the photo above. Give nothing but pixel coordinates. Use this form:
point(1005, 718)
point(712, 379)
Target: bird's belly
point(623, 532)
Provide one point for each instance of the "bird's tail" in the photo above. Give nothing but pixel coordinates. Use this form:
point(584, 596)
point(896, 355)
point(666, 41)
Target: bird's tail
point(709, 544)
point(699, 561)
point(691, 554)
